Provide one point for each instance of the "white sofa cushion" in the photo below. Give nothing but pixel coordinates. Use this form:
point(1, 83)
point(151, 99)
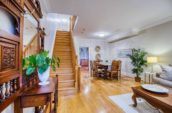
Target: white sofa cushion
point(166, 73)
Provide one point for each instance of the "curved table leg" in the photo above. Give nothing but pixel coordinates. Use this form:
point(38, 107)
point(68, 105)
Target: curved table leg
point(134, 100)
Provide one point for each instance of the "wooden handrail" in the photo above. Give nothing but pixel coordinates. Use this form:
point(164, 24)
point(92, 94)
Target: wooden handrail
point(72, 22)
point(76, 66)
point(29, 49)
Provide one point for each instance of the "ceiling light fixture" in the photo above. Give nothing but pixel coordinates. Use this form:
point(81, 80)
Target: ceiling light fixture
point(101, 34)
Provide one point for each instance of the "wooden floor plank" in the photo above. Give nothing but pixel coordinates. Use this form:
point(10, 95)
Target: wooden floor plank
point(93, 97)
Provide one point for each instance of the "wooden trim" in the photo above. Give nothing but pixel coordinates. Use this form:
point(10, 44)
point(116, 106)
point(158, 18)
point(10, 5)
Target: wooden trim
point(5, 77)
point(13, 6)
point(9, 76)
point(76, 66)
point(33, 9)
point(19, 7)
point(8, 36)
point(72, 22)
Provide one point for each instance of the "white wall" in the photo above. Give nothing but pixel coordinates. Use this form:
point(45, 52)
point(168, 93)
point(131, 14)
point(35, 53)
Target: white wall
point(53, 22)
point(157, 41)
point(92, 43)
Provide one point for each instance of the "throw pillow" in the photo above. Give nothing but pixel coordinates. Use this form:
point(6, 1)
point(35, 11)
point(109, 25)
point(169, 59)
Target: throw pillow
point(166, 73)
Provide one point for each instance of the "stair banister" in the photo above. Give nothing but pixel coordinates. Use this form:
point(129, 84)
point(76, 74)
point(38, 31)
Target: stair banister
point(30, 49)
point(74, 55)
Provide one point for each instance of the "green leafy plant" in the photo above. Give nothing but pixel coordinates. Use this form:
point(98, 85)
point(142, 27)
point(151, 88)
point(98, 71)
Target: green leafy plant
point(138, 61)
point(40, 62)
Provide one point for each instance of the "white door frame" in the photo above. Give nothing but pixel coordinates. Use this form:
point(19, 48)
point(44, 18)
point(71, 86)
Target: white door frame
point(88, 55)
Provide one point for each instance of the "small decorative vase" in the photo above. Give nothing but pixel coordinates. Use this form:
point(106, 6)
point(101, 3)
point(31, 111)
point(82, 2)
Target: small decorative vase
point(44, 77)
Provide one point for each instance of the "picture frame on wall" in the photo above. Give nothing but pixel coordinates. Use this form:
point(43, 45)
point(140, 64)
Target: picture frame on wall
point(123, 53)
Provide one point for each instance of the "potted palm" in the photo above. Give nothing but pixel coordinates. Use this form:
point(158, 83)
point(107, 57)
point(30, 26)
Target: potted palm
point(41, 63)
point(138, 61)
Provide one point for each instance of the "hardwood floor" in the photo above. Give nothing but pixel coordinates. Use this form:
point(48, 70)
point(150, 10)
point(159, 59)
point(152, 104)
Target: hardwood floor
point(93, 97)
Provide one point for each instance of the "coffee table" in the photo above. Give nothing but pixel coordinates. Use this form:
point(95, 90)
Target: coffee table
point(159, 101)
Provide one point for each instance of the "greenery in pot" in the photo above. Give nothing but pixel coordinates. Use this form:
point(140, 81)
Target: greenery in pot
point(40, 62)
point(138, 61)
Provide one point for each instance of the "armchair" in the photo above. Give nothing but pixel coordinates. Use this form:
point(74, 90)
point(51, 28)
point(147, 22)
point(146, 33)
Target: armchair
point(115, 71)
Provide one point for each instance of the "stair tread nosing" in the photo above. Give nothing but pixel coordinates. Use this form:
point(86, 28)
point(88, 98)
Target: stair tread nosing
point(72, 80)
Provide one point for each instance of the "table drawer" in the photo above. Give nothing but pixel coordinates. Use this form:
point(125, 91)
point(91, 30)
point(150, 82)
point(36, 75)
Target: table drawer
point(35, 100)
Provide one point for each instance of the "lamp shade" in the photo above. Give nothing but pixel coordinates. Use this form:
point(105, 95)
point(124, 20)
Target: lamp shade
point(152, 59)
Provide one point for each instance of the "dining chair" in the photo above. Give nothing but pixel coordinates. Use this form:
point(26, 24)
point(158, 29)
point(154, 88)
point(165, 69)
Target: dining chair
point(115, 71)
point(92, 68)
point(93, 65)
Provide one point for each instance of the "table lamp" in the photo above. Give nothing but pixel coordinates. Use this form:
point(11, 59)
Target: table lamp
point(152, 60)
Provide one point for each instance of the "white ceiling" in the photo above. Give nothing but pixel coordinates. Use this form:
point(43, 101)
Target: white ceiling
point(111, 16)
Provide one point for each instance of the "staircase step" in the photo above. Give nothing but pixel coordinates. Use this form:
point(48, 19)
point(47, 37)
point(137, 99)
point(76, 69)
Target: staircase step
point(62, 44)
point(63, 76)
point(64, 70)
point(61, 53)
point(61, 33)
point(62, 48)
point(68, 61)
point(61, 73)
point(59, 39)
point(66, 83)
point(65, 57)
point(66, 77)
point(62, 41)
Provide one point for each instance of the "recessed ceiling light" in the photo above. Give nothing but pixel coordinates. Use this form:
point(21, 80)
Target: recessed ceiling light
point(101, 34)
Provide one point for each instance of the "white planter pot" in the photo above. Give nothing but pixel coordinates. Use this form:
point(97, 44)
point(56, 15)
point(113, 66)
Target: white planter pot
point(44, 77)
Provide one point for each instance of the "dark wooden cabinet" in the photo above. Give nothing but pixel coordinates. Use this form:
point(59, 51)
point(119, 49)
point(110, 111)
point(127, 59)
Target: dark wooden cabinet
point(11, 49)
point(40, 97)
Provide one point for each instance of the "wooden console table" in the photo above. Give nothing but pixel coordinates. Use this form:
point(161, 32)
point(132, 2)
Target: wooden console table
point(40, 97)
point(160, 101)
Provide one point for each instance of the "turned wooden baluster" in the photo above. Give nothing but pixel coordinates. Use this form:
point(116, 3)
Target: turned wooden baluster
point(1, 93)
point(14, 85)
point(7, 93)
point(11, 87)
point(18, 83)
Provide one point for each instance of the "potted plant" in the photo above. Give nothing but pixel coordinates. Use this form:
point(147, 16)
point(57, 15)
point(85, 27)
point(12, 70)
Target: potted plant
point(41, 63)
point(138, 61)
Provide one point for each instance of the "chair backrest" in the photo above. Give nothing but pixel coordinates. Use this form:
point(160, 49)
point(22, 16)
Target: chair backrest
point(91, 65)
point(116, 65)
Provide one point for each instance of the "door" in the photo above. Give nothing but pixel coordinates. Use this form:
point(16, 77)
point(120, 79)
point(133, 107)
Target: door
point(84, 58)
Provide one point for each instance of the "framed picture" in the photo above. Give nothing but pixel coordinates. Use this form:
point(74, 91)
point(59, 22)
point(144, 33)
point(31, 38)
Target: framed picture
point(123, 53)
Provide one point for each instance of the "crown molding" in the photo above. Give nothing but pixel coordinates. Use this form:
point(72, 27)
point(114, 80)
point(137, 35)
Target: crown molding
point(130, 33)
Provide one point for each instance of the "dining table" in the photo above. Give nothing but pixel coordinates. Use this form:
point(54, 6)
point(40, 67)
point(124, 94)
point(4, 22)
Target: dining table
point(105, 66)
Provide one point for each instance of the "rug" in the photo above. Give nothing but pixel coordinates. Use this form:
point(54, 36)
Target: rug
point(125, 102)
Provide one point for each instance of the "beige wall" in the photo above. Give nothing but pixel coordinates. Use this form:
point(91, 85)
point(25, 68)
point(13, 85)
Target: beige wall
point(157, 41)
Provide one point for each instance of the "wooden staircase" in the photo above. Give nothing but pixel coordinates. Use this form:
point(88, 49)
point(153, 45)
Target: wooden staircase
point(66, 72)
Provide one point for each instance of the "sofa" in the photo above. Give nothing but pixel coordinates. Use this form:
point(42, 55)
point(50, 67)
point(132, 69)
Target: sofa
point(162, 78)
